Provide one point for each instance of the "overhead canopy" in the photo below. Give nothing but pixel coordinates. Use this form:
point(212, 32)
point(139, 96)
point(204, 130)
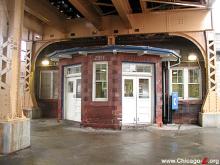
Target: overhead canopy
point(165, 54)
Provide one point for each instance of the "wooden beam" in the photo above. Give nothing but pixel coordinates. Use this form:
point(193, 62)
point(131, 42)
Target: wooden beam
point(178, 2)
point(103, 4)
point(36, 14)
point(143, 6)
point(152, 22)
point(46, 13)
point(33, 24)
point(123, 8)
point(88, 11)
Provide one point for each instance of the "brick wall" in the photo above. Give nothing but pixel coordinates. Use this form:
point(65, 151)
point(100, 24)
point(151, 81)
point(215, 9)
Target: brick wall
point(188, 112)
point(108, 114)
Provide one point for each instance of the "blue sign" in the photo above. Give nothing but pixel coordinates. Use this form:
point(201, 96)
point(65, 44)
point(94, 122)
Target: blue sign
point(175, 100)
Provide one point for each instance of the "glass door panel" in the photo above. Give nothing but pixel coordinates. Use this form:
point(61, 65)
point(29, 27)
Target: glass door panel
point(128, 88)
point(143, 88)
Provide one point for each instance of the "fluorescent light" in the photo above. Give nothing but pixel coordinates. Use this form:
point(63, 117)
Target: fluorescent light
point(192, 57)
point(45, 62)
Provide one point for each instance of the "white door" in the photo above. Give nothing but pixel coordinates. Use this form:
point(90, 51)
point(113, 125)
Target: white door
point(136, 100)
point(73, 99)
point(129, 100)
point(143, 100)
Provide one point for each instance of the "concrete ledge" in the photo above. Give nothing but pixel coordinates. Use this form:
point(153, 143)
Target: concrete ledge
point(14, 135)
point(209, 119)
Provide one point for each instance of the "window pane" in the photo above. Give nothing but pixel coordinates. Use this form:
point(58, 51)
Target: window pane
point(49, 85)
point(98, 76)
point(126, 68)
point(101, 72)
point(101, 90)
point(139, 68)
point(180, 76)
point(77, 69)
point(103, 76)
point(70, 86)
point(101, 80)
point(178, 88)
point(55, 85)
point(74, 69)
point(45, 85)
point(177, 76)
point(128, 88)
point(143, 68)
point(194, 76)
point(190, 76)
point(143, 88)
point(103, 67)
point(78, 88)
point(174, 76)
point(98, 67)
point(193, 90)
point(104, 85)
point(131, 67)
point(174, 79)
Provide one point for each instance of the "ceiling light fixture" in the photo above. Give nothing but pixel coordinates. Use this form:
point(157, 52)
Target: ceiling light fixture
point(192, 57)
point(45, 62)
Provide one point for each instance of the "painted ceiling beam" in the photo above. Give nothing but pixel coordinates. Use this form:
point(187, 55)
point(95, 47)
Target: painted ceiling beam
point(45, 13)
point(123, 8)
point(178, 2)
point(88, 11)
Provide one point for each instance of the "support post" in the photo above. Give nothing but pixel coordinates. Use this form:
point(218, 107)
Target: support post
point(210, 115)
point(27, 104)
point(14, 127)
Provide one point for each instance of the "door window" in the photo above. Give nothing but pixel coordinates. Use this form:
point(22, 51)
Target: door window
point(128, 88)
point(78, 88)
point(70, 86)
point(143, 88)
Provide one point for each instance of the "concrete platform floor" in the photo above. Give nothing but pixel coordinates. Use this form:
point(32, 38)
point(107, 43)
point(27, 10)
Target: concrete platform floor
point(62, 144)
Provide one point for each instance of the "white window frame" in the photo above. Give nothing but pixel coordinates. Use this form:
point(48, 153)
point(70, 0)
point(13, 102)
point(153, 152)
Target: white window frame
point(52, 84)
point(186, 82)
point(183, 83)
point(94, 81)
point(73, 74)
point(136, 73)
